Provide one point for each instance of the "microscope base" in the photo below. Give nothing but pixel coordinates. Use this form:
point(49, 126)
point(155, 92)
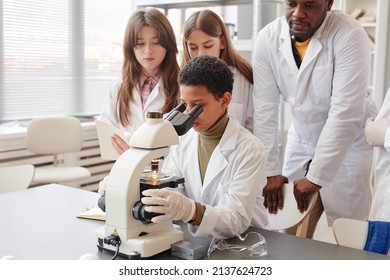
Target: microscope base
point(146, 245)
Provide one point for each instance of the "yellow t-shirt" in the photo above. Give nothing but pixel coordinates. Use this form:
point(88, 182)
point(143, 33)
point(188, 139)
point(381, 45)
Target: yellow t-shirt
point(302, 47)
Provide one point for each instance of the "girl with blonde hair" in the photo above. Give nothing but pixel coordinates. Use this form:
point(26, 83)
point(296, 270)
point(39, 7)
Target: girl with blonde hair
point(204, 33)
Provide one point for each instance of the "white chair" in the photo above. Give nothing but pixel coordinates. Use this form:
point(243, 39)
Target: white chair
point(323, 231)
point(14, 178)
point(350, 233)
point(290, 215)
point(56, 135)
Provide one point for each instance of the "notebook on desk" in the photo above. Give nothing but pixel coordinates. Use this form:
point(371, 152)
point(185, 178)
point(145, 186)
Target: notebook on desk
point(105, 131)
point(93, 213)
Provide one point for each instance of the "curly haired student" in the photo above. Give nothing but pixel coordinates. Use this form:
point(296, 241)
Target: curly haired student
point(223, 164)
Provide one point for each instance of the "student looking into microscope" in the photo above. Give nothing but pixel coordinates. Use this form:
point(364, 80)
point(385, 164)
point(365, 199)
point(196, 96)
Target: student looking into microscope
point(223, 164)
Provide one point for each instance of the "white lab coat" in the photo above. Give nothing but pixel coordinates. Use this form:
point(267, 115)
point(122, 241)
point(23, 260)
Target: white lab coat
point(109, 112)
point(380, 209)
point(329, 101)
point(241, 105)
point(233, 183)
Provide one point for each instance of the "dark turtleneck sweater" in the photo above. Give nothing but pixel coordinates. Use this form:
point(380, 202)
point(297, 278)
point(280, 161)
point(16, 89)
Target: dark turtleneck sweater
point(208, 140)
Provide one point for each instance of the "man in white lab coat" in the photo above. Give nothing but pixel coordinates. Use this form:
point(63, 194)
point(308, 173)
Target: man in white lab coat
point(223, 164)
point(318, 61)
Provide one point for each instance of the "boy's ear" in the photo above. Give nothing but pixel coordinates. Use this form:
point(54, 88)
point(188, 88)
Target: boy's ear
point(226, 98)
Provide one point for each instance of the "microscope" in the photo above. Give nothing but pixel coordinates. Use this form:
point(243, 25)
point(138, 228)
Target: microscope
point(128, 228)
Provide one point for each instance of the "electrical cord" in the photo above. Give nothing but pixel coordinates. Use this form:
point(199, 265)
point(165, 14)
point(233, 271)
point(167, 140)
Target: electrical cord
point(113, 240)
point(117, 251)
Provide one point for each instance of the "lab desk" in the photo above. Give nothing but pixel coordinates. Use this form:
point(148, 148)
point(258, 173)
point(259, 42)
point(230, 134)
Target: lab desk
point(40, 223)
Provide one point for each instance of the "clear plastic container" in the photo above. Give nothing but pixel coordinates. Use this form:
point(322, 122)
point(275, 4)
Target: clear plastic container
point(253, 244)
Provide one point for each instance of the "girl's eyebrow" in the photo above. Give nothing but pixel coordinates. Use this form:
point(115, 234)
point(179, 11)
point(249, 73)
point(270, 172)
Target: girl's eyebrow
point(208, 41)
point(153, 38)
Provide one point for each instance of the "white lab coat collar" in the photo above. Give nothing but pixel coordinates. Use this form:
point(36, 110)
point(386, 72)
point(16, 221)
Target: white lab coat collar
point(315, 45)
point(308, 62)
point(286, 49)
point(158, 89)
point(138, 114)
point(313, 49)
point(227, 143)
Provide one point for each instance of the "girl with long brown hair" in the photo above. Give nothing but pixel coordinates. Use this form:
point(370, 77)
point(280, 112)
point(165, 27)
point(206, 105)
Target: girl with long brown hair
point(149, 74)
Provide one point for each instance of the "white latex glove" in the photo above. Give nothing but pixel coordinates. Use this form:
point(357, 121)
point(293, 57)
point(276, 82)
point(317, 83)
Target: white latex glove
point(102, 186)
point(174, 205)
point(376, 131)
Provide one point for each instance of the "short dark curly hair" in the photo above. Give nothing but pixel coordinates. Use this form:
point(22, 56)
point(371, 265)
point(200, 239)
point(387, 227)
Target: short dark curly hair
point(208, 71)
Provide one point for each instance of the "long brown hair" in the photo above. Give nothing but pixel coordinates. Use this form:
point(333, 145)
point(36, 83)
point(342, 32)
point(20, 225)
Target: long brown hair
point(211, 24)
point(132, 70)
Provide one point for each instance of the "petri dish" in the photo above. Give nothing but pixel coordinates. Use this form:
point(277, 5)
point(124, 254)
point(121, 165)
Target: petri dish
point(151, 176)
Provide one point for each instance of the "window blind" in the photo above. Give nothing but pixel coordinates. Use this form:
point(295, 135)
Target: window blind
point(58, 56)
point(105, 24)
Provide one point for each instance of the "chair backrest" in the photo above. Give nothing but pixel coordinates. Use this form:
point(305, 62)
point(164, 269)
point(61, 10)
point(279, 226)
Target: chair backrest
point(54, 135)
point(350, 233)
point(290, 215)
point(13, 178)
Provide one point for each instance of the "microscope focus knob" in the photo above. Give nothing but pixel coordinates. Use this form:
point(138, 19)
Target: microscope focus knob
point(139, 213)
point(154, 115)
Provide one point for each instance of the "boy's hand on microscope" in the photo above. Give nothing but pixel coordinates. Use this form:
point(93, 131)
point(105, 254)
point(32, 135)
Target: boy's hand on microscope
point(174, 205)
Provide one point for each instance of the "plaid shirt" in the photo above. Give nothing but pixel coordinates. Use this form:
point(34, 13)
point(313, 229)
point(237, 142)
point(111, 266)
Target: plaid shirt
point(146, 85)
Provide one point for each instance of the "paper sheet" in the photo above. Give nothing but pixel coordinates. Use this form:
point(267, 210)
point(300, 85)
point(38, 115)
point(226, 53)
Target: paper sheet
point(94, 213)
point(105, 131)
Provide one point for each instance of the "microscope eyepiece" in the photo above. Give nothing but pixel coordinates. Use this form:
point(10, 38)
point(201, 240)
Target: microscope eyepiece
point(181, 107)
point(175, 112)
point(196, 111)
point(183, 122)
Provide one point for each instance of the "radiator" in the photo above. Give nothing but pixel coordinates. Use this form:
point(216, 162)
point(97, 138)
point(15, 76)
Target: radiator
point(13, 151)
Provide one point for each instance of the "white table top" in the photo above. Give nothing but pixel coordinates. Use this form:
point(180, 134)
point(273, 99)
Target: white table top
point(40, 223)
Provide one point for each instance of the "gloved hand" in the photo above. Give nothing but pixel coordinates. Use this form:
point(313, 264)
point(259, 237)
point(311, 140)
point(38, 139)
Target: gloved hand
point(376, 131)
point(174, 205)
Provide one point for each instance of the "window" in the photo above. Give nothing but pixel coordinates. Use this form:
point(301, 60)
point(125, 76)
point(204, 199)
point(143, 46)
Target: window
point(59, 56)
